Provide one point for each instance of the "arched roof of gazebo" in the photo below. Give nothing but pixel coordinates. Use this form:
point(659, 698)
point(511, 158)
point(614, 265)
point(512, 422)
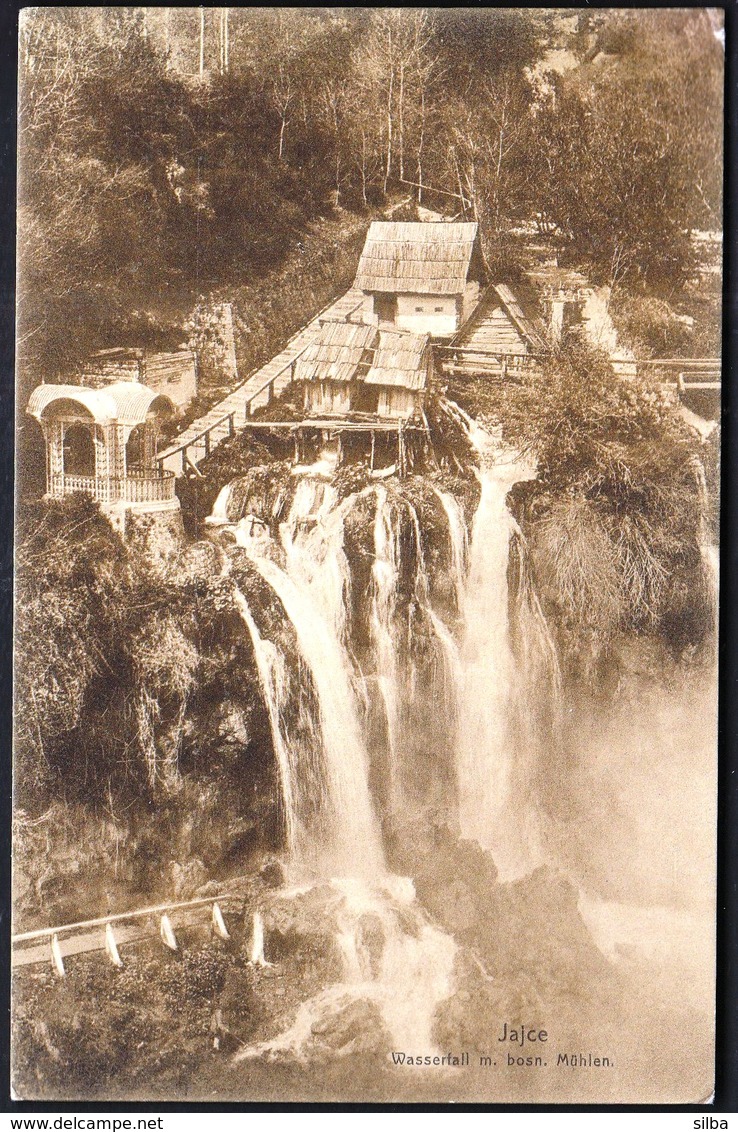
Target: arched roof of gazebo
point(127, 402)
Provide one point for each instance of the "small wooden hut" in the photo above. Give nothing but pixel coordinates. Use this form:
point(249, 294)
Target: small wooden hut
point(358, 368)
point(420, 277)
point(333, 365)
point(500, 326)
point(400, 373)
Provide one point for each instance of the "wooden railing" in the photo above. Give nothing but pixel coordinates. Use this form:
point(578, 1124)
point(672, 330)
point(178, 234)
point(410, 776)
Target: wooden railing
point(203, 437)
point(249, 407)
point(53, 945)
point(269, 385)
point(139, 485)
point(463, 359)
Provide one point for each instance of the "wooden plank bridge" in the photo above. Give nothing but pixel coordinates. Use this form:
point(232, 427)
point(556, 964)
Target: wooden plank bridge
point(260, 388)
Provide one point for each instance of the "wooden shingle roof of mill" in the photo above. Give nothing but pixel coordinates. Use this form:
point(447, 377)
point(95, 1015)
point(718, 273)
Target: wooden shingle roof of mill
point(336, 353)
point(345, 351)
point(400, 359)
point(431, 258)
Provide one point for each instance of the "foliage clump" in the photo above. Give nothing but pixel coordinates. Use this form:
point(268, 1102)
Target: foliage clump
point(615, 519)
point(112, 656)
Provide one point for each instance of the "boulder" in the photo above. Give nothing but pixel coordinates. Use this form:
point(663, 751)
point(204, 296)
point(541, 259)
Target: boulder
point(350, 1026)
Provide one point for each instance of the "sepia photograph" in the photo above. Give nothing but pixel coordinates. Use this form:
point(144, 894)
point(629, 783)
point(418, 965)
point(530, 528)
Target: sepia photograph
point(367, 516)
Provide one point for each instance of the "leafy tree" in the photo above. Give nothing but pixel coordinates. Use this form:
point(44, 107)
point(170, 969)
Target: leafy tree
point(629, 149)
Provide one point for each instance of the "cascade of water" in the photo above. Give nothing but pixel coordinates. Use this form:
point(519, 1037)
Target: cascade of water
point(382, 627)
point(219, 515)
point(458, 540)
point(352, 842)
point(406, 974)
point(492, 808)
point(273, 677)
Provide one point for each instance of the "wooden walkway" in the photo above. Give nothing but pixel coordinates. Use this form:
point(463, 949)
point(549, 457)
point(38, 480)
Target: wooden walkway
point(234, 410)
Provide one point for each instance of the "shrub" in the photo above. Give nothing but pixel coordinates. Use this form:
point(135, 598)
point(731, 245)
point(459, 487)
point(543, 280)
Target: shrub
point(615, 520)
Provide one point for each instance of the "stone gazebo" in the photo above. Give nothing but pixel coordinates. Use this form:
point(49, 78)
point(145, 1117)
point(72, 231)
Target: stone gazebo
point(103, 442)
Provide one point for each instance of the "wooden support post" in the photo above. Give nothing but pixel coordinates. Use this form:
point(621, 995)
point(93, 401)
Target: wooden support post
point(166, 931)
point(184, 460)
point(111, 946)
point(219, 923)
point(231, 424)
point(56, 956)
point(371, 458)
point(206, 438)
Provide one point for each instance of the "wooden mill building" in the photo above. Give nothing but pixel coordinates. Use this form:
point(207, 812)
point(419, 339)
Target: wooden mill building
point(358, 368)
point(420, 277)
point(499, 325)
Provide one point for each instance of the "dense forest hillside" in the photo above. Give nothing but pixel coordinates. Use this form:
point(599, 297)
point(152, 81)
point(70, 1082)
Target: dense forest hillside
point(163, 155)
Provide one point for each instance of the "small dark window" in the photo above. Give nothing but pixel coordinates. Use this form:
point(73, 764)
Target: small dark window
point(385, 307)
point(419, 309)
point(439, 309)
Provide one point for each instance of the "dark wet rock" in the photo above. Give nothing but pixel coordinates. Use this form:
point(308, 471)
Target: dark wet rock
point(541, 931)
point(272, 874)
point(300, 930)
point(198, 562)
point(470, 1015)
point(187, 878)
point(306, 913)
point(528, 934)
point(237, 1006)
point(370, 943)
point(352, 1026)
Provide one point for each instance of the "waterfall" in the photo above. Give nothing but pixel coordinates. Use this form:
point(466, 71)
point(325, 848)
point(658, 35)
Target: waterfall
point(414, 657)
point(313, 599)
point(458, 540)
point(273, 678)
point(383, 610)
point(219, 515)
point(448, 695)
point(405, 973)
point(494, 773)
point(485, 751)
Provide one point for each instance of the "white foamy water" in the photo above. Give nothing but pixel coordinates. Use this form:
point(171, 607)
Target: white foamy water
point(312, 592)
point(490, 764)
point(406, 974)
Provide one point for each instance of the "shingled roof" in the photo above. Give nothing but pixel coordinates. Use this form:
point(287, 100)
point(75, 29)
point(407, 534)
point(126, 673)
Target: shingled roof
point(420, 258)
point(336, 353)
point(525, 324)
point(399, 359)
point(345, 351)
